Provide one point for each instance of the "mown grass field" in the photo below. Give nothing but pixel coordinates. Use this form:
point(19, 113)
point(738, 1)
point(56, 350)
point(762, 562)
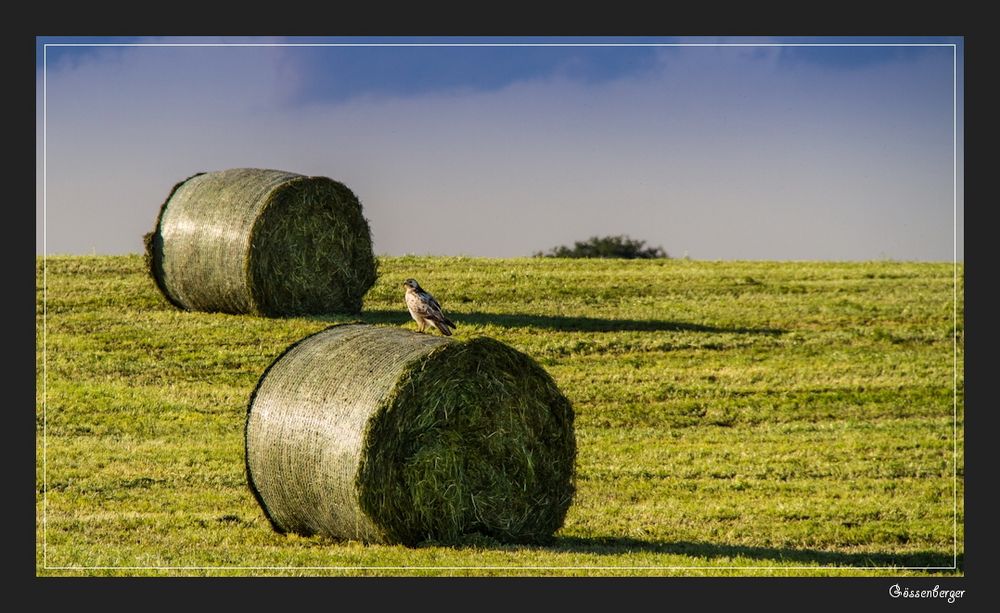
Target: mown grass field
point(754, 418)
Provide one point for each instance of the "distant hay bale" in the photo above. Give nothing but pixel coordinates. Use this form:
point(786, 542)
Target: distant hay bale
point(386, 435)
point(265, 242)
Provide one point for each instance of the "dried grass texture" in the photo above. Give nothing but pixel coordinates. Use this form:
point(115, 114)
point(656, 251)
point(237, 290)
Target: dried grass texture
point(263, 242)
point(386, 435)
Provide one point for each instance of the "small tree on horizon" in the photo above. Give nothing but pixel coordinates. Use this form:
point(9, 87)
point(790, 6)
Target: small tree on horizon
point(620, 246)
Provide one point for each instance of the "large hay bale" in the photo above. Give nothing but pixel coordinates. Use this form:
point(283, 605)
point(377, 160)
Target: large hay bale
point(386, 435)
point(265, 242)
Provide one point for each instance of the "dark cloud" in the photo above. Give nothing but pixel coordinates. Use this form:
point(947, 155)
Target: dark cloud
point(69, 57)
point(852, 58)
point(336, 74)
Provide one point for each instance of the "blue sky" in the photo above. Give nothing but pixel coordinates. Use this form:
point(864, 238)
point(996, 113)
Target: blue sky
point(717, 152)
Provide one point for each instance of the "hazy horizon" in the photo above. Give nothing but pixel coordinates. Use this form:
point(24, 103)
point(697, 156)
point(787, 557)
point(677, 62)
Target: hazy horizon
point(713, 152)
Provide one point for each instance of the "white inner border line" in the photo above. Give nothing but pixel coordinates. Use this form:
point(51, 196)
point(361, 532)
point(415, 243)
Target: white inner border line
point(45, 489)
point(45, 311)
point(954, 320)
point(500, 44)
point(515, 568)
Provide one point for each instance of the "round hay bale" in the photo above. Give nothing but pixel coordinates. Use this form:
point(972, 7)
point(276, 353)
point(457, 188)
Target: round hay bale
point(386, 435)
point(265, 242)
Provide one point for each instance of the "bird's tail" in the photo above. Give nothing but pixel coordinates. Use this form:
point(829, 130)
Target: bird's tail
point(449, 323)
point(443, 327)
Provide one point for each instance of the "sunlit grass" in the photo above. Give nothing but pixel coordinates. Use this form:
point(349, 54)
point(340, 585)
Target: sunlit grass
point(746, 418)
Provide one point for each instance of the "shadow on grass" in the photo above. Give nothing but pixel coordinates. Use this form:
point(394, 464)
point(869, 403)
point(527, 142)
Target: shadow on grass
point(773, 555)
point(764, 556)
point(564, 324)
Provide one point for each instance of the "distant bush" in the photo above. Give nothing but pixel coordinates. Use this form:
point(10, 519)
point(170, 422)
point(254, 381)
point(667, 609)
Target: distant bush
point(606, 247)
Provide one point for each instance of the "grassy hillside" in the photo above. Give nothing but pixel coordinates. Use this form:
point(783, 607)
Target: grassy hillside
point(732, 418)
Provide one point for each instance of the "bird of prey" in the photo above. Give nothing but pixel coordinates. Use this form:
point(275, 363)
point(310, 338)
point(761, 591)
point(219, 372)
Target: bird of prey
point(425, 309)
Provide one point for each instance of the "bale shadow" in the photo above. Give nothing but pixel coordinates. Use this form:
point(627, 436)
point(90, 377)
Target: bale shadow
point(561, 323)
point(774, 555)
point(770, 556)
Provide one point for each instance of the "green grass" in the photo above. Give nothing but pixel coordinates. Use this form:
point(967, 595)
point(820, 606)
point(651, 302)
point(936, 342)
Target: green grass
point(732, 418)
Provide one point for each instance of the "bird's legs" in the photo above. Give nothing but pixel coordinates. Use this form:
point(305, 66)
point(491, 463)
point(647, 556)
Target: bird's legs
point(423, 325)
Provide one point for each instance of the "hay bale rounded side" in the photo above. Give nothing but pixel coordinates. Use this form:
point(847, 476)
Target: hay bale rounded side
point(386, 435)
point(265, 242)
